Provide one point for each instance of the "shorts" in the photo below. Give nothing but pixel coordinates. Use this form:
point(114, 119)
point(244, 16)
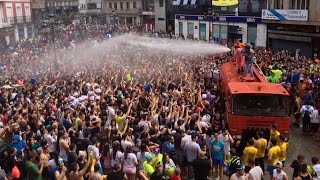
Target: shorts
point(270, 169)
point(218, 162)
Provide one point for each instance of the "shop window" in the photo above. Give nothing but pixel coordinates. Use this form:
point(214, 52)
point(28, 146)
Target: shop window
point(180, 28)
point(160, 3)
point(190, 29)
point(252, 34)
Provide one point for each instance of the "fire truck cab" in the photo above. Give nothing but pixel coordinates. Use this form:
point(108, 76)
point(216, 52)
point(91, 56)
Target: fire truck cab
point(253, 104)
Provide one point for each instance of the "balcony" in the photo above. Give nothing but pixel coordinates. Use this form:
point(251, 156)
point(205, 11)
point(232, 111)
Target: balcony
point(15, 20)
point(93, 11)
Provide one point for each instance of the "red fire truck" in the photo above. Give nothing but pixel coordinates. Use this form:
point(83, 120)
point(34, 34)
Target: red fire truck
point(253, 104)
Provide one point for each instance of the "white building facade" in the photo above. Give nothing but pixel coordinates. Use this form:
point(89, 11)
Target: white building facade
point(15, 21)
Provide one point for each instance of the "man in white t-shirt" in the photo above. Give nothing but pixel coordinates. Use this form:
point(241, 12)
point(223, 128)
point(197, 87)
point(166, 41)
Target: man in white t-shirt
point(51, 140)
point(255, 172)
point(185, 139)
point(226, 138)
point(111, 112)
point(316, 167)
point(192, 149)
point(126, 141)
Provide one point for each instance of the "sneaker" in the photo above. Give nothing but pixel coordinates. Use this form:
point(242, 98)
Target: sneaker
point(218, 178)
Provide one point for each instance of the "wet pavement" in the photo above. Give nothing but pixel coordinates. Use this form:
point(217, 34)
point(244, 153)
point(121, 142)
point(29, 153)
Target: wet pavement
point(299, 144)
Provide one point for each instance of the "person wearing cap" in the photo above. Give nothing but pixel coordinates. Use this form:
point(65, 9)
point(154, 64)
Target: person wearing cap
point(157, 157)
point(147, 166)
point(278, 173)
point(17, 143)
point(239, 175)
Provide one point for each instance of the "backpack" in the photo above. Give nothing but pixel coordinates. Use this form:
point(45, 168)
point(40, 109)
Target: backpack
point(234, 163)
point(307, 115)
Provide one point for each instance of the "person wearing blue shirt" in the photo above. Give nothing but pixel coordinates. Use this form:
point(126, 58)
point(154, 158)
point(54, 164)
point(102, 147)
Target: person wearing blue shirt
point(218, 155)
point(168, 146)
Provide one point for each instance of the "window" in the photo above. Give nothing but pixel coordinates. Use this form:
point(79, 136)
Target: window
point(110, 5)
point(300, 4)
point(115, 6)
point(134, 5)
point(307, 4)
point(92, 6)
point(160, 3)
point(128, 5)
point(278, 4)
point(121, 5)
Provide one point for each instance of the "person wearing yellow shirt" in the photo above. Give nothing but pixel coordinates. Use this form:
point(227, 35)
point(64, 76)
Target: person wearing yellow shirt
point(283, 148)
point(249, 152)
point(120, 118)
point(274, 133)
point(273, 156)
point(147, 166)
point(157, 158)
point(261, 145)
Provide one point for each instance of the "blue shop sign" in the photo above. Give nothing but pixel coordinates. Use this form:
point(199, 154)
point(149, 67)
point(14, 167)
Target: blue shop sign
point(243, 19)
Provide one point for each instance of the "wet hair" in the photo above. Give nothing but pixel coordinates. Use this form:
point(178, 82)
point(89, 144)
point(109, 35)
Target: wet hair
point(250, 142)
point(127, 151)
point(282, 137)
point(233, 151)
point(251, 161)
point(115, 148)
point(304, 168)
point(300, 157)
point(260, 133)
point(73, 166)
point(273, 141)
point(314, 160)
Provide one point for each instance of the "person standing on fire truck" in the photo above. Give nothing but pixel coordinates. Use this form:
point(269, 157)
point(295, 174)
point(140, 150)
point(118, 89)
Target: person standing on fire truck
point(248, 53)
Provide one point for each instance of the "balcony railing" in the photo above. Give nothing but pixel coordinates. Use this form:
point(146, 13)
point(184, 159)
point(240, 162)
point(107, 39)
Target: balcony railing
point(16, 20)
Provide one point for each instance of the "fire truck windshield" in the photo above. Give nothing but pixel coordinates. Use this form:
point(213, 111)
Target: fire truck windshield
point(260, 105)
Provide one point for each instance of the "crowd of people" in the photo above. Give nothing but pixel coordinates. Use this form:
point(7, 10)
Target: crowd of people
point(95, 111)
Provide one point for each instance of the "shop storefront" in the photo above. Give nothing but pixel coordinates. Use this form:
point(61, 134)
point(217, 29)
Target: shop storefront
point(292, 37)
point(223, 29)
point(300, 35)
